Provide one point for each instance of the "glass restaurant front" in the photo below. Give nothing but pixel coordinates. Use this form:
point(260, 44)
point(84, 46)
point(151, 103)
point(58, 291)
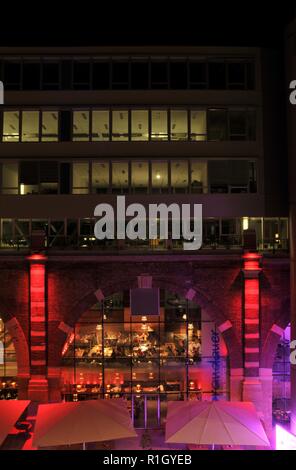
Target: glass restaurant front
point(146, 360)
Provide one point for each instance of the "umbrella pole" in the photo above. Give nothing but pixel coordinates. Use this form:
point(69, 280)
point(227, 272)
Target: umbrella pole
point(83, 446)
point(213, 446)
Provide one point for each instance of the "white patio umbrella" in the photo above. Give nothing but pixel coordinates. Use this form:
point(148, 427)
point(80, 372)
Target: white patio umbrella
point(10, 411)
point(216, 422)
point(81, 422)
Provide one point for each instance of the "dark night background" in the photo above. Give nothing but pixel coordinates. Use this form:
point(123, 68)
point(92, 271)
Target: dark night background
point(256, 23)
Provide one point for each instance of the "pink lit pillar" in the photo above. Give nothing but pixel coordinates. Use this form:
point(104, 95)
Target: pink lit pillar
point(38, 384)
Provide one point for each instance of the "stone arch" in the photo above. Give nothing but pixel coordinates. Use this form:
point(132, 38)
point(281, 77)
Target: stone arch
point(201, 298)
point(281, 321)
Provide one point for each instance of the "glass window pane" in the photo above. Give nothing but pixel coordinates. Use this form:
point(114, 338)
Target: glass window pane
point(217, 75)
point(30, 126)
point(80, 178)
point(120, 177)
point(9, 178)
point(179, 125)
point(119, 125)
point(198, 74)
point(50, 122)
point(199, 178)
point(237, 124)
point(198, 122)
point(179, 176)
point(236, 75)
point(81, 126)
point(100, 125)
point(100, 177)
point(217, 122)
point(140, 176)
point(11, 126)
point(159, 174)
point(159, 129)
point(29, 177)
point(159, 74)
point(178, 75)
point(50, 75)
point(139, 125)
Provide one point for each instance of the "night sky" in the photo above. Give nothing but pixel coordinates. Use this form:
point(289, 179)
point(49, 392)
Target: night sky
point(208, 23)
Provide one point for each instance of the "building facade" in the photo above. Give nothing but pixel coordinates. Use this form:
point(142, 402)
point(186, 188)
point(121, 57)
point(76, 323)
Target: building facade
point(156, 124)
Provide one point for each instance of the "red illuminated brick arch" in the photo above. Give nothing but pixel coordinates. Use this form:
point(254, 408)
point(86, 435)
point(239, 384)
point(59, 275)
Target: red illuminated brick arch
point(201, 298)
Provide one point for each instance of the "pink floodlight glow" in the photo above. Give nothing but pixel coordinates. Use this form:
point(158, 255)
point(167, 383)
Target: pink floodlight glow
point(284, 440)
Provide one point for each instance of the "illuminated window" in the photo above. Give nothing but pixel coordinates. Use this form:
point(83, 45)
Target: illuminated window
point(100, 125)
point(160, 176)
point(159, 129)
point(81, 126)
point(80, 178)
point(199, 178)
point(119, 125)
point(30, 126)
point(120, 179)
point(198, 123)
point(140, 125)
point(11, 126)
point(50, 124)
point(100, 177)
point(179, 176)
point(140, 177)
point(179, 125)
point(10, 178)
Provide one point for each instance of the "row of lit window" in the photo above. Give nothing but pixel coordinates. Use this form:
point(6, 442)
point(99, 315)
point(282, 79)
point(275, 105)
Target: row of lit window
point(128, 73)
point(213, 124)
point(179, 176)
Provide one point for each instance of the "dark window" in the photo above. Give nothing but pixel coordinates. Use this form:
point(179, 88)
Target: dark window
point(29, 173)
point(50, 75)
point(251, 124)
point(139, 75)
point(31, 76)
point(178, 75)
point(236, 76)
point(81, 75)
point(66, 75)
point(65, 178)
point(217, 124)
point(159, 75)
point(198, 75)
point(65, 125)
point(120, 75)
point(250, 70)
point(217, 76)
point(101, 75)
point(12, 75)
point(49, 177)
point(238, 125)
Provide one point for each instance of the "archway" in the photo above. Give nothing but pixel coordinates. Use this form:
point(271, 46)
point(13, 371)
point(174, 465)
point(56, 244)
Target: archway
point(146, 359)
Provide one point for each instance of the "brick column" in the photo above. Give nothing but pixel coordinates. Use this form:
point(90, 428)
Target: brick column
point(252, 389)
point(38, 384)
